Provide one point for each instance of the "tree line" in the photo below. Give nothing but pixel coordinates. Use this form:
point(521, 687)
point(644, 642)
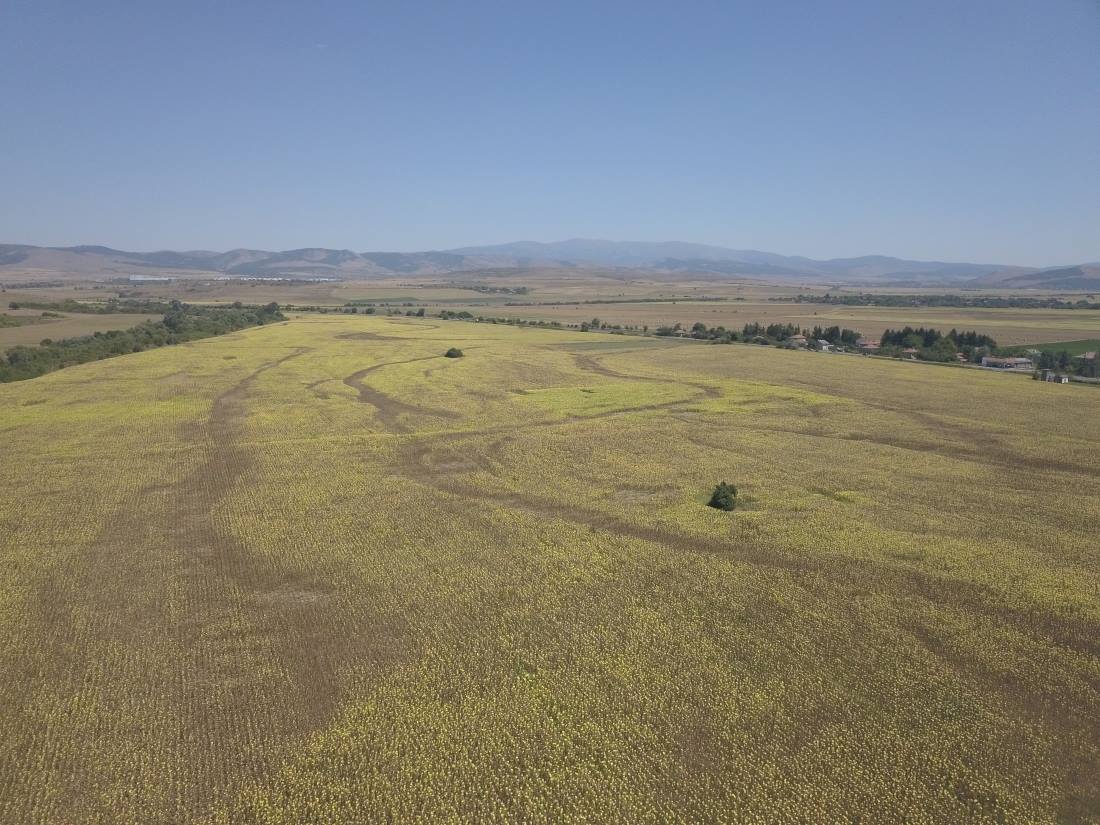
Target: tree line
point(108, 307)
point(961, 301)
point(763, 333)
point(181, 323)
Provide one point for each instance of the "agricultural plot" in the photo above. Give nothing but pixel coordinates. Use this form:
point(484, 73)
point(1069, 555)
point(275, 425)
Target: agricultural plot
point(8, 321)
point(317, 572)
point(1006, 326)
point(1072, 347)
point(71, 325)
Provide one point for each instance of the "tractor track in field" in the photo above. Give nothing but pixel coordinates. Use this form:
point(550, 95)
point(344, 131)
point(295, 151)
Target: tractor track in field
point(978, 443)
point(589, 364)
point(241, 656)
point(291, 613)
point(388, 407)
point(245, 654)
point(371, 336)
point(425, 464)
point(438, 461)
point(442, 462)
point(992, 449)
point(1002, 458)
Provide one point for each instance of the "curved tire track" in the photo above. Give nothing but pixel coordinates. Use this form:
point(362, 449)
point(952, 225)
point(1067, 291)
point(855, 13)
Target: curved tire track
point(388, 407)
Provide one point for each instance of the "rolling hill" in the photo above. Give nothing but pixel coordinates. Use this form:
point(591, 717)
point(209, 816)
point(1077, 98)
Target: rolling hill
point(669, 259)
point(1085, 276)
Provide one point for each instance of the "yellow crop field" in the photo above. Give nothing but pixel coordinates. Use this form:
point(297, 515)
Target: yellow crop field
point(315, 572)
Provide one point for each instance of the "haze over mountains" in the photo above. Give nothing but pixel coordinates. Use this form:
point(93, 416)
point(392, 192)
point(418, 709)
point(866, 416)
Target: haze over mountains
point(666, 259)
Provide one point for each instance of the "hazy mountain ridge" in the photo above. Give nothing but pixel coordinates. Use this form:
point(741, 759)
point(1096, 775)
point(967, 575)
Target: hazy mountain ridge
point(1085, 276)
point(681, 256)
point(670, 258)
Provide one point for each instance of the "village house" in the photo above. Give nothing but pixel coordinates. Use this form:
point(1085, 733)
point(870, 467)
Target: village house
point(824, 346)
point(798, 340)
point(998, 363)
point(867, 344)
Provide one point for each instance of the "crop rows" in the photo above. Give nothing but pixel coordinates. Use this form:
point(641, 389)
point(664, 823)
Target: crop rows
point(315, 572)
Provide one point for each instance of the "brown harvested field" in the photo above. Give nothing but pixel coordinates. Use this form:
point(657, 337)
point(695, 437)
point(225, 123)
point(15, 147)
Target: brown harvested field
point(447, 289)
point(658, 302)
point(1008, 326)
point(71, 325)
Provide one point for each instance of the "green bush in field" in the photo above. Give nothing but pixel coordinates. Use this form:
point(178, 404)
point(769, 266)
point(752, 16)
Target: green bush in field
point(724, 497)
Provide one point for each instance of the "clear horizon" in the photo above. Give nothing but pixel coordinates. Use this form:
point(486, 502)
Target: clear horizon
point(826, 130)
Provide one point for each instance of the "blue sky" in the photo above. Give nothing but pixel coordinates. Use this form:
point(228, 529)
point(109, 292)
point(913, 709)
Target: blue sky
point(947, 129)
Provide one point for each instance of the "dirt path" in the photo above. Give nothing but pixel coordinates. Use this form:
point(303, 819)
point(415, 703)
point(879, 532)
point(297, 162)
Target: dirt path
point(223, 656)
point(588, 363)
point(440, 461)
point(388, 407)
point(371, 336)
point(444, 463)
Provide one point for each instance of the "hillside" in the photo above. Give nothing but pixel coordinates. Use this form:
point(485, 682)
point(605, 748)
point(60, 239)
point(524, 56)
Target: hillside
point(672, 260)
point(688, 257)
point(1084, 277)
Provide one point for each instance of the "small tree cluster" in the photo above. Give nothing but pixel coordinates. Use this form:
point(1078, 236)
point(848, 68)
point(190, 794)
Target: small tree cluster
point(933, 345)
point(773, 332)
point(836, 335)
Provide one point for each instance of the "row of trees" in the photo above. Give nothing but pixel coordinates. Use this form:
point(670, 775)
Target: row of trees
point(763, 333)
point(182, 322)
point(113, 305)
point(699, 331)
point(695, 299)
point(965, 301)
point(22, 320)
point(357, 308)
point(491, 290)
point(772, 332)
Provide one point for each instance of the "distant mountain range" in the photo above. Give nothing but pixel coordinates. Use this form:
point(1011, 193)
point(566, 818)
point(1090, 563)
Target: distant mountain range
point(670, 259)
